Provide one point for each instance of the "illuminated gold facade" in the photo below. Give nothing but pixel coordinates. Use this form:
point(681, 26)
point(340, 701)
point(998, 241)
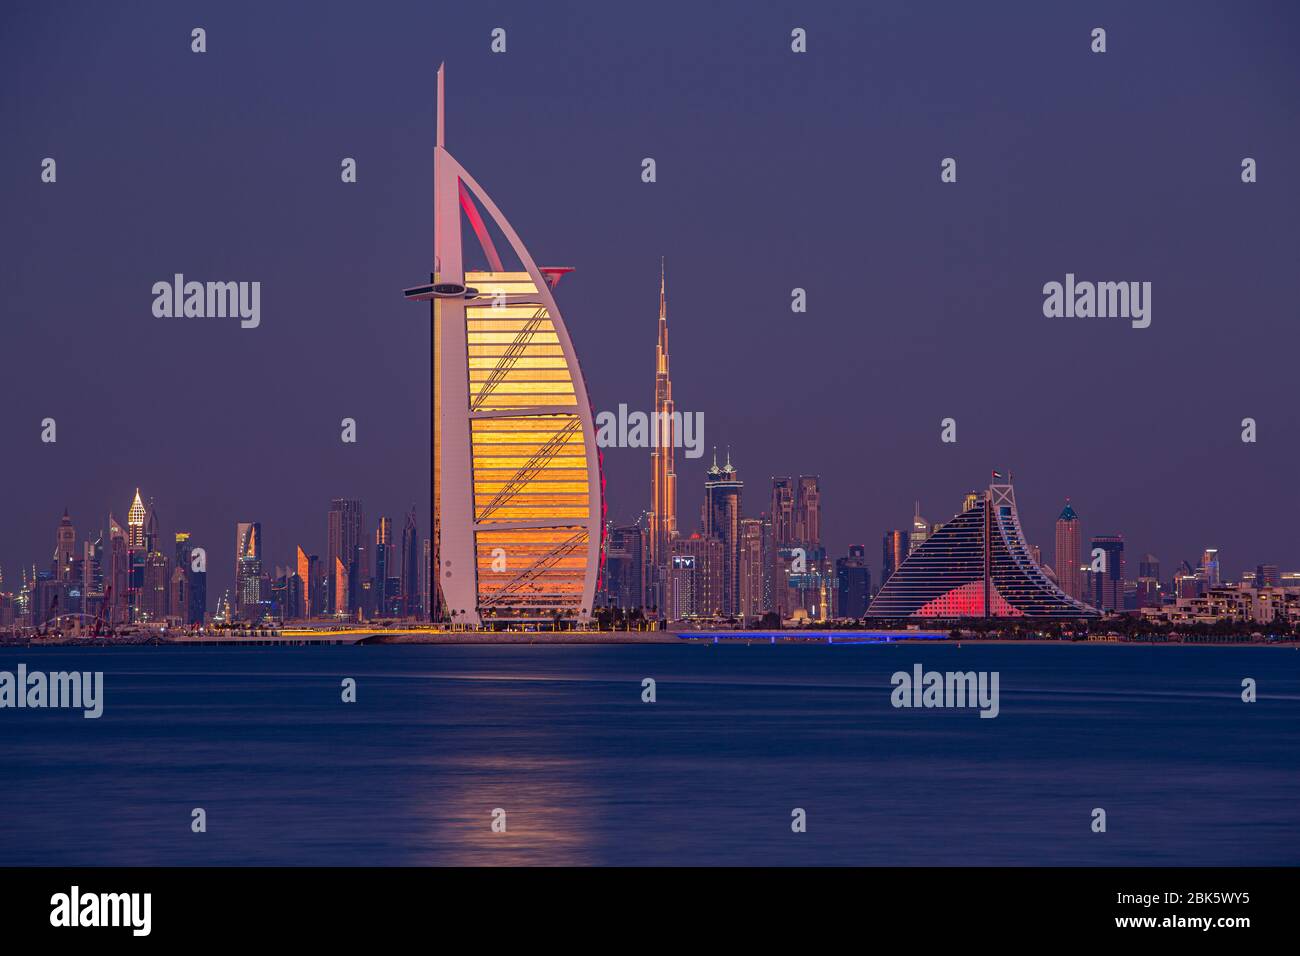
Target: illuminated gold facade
point(528, 468)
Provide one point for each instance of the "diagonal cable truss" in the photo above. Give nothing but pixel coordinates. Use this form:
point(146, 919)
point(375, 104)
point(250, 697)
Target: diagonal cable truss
point(512, 355)
point(530, 469)
point(544, 564)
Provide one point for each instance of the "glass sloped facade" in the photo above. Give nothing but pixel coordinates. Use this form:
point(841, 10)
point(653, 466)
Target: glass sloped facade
point(976, 565)
point(529, 458)
point(527, 468)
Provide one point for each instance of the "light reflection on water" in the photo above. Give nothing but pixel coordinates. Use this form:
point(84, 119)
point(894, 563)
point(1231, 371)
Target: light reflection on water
point(588, 774)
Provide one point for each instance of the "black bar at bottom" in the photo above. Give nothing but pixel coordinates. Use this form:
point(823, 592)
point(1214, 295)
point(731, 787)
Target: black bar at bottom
point(230, 905)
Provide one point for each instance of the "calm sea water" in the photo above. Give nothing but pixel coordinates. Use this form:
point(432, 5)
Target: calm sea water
point(588, 774)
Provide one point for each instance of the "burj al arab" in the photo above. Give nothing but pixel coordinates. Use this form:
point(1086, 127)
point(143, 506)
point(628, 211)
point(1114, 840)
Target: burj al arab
point(517, 496)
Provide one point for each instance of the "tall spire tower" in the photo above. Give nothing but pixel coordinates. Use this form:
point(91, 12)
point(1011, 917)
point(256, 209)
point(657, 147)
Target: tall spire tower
point(663, 480)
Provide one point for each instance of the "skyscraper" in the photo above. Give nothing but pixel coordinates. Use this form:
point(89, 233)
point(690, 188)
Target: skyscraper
point(343, 534)
point(722, 493)
point(182, 586)
point(428, 609)
point(894, 554)
point(92, 572)
point(853, 579)
point(154, 603)
point(1108, 582)
point(339, 586)
point(151, 532)
point(1148, 584)
point(183, 549)
point(316, 585)
point(115, 591)
point(410, 570)
point(695, 581)
point(753, 569)
point(195, 608)
point(383, 564)
point(303, 569)
point(65, 548)
point(248, 569)
point(663, 471)
point(360, 595)
point(1069, 542)
point(920, 530)
point(135, 554)
point(626, 565)
point(1210, 567)
point(808, 512)
point(516, 469)
point(179, 595)
point(783, 538)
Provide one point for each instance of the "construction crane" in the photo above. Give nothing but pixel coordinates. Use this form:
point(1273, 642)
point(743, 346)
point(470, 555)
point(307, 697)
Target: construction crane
point(99, 617)
point(49, 614)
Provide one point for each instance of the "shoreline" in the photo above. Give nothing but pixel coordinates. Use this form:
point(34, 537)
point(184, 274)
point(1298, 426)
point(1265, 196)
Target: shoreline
point(606, 638)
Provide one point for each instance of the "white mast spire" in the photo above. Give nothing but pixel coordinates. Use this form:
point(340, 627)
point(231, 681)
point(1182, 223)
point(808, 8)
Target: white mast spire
point(442, 108)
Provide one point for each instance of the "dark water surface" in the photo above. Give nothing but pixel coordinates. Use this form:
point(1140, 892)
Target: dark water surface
point(559, 738)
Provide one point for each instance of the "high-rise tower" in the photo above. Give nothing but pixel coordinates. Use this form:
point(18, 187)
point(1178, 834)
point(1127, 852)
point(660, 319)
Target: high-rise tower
point(118, 576)
point(1107, 584)
point(1069, 540)
point(808, 512)
point(135, 554)
point(663, 472)
point(410, 566)
point(516, 469)
point(894, 552)
point(65, 548)
point(920, 530)
point(783, 538)
point(384, 566)
point(135, 524)
point(722, 491)
point(248, 567)
point(343, 534)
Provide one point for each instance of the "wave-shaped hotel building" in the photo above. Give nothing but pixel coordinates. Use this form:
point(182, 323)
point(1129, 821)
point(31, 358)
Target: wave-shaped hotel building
point(976, 565)
point(517, 497)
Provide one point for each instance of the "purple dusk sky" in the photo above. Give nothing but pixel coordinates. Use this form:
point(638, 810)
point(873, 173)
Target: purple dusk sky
point(775, 170)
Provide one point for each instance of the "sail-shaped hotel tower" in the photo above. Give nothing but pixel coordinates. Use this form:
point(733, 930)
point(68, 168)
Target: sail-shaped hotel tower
point(517, 495)
point(976, 565)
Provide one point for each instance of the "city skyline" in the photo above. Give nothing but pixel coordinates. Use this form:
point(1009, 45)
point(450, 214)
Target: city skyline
point(1144, 437)
point(383, 565)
